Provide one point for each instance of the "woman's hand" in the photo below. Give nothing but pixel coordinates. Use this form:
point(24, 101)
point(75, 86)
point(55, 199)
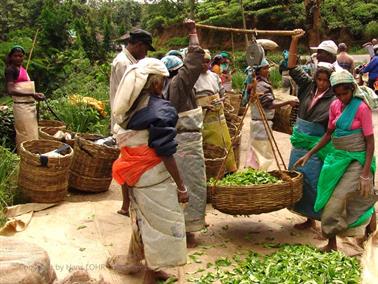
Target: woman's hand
point(302, 161)
point(190, 25)
point(298, 33)
point(182, 194)
point(366, 186)
point(293, 103)
point(39, 96)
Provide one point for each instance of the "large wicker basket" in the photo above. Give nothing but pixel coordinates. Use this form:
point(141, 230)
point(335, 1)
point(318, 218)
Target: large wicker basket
point(41, 183)
point(256, 199)
point(48, 133)
point(234, 99)
point(52, 123)
point(214, 156)
point(91, 168)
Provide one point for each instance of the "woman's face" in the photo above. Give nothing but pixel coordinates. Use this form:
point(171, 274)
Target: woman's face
point(205, 65)
point(322, 82)
point(264, 71)
point(17, 58)
point(344, 94)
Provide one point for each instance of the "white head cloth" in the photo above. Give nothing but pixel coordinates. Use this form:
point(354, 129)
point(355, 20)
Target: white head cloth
point(132, 83)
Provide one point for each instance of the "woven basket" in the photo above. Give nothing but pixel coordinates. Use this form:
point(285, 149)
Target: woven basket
point(234, 99)
point(256, 199)
point(92, 163)
point(284, 119)
point(241, 110)
point(43, 183)
point(48, 133)
point(227, 108)
point(208, 194)
point(214, 156)
point(236, 148)
point(51, 123)
point(230, 117)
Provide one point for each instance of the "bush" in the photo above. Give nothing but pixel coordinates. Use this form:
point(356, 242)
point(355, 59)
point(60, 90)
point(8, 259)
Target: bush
point(238, 80)
point(371, 30)
point(275, 77)
point(8, 180)
point(7, 131)
point(177, 42)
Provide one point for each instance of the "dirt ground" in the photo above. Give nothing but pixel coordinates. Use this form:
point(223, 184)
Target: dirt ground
point(85, 230)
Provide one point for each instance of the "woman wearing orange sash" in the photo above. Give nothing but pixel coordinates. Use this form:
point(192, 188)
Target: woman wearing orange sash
point(145, 132)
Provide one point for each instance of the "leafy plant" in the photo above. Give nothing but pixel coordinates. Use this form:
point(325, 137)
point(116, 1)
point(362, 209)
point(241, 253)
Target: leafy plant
point(248, 176)
point(7, 131)
point(291, 264)
point(8, 180)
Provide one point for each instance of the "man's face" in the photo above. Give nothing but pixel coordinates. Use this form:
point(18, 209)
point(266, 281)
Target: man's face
point(141, 50)
point(205, 65)
point(324, 56)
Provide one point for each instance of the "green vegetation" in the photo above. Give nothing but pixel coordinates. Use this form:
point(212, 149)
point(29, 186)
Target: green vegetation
point(248, 176)
point(8, 180)
point(294, 264)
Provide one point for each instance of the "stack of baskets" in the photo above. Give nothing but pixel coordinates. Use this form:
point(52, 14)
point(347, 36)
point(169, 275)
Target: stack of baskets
point(236, 142)
point(257, 199)
point(91, 168)
point(43, 179)
point(48, 133)
point(214, 156)
point(234, 99)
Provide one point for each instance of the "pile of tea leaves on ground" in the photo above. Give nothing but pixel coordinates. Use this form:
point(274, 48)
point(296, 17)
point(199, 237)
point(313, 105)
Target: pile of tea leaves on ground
point(290, 264)
point(246, 177)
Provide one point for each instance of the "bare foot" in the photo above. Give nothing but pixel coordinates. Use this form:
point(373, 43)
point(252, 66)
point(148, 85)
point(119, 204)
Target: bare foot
point(121, 264)
point(151, 277)
point(124, 212)
point(190, 240)
point(162, 275)
point(331, 246)
point(310, 223)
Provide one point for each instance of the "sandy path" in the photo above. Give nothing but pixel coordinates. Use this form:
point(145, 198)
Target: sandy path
point(85, 230)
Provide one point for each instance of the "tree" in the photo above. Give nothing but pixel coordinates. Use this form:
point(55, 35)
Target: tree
point(313, 21)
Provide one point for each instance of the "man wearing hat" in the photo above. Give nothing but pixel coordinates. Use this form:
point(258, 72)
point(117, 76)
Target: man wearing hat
point(139, 42)
point(327, 52)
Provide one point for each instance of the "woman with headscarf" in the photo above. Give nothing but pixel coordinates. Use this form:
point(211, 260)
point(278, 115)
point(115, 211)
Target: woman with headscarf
point(145, 133)
point(346, 186)
point(189, 156)
point(260, 152)
point(209, 91)
point(315, 96)
point(23, 94)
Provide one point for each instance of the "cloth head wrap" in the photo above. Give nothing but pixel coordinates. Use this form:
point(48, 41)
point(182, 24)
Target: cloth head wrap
point(207, 54)
point(175, 53)
point(172, 62)
point(132, 83)
point(263, 63)
point(16, 48)
point(362, 92)
point(224, 54)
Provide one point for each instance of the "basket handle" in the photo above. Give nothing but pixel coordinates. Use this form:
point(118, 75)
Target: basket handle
point(82, 147)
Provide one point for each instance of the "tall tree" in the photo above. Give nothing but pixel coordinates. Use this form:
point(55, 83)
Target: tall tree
point(313, 21)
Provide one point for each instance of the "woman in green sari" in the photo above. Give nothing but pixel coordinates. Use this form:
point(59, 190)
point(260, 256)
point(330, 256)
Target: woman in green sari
point(345, 186)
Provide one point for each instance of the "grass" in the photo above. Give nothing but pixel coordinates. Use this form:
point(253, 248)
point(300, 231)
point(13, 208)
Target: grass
point(8, 180)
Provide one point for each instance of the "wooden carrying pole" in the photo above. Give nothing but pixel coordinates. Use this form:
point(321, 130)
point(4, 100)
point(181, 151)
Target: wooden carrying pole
point(246, 31)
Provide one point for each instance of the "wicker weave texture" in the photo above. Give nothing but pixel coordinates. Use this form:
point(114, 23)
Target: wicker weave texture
point(234, 99)
point(43, 183)
point(51, 123)
point(47, 133)
point(214, 156)
point(91, 164)
point(256, 199)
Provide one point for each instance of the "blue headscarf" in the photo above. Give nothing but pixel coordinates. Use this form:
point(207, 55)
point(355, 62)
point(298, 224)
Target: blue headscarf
point(172, 62)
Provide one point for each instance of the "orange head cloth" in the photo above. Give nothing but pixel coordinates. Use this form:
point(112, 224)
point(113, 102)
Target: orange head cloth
point(133, 162)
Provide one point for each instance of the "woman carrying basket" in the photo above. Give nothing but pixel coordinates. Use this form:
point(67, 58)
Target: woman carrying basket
point(345, 187)
point(315, 96)
point(260, 153)
point(145, 132)
point(24, 96)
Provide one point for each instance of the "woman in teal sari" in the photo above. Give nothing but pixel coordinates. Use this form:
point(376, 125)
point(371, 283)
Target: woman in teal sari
point(345, 186)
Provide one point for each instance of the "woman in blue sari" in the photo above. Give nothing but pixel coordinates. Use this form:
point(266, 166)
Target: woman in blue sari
point(346, 183)
point(315, 97)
